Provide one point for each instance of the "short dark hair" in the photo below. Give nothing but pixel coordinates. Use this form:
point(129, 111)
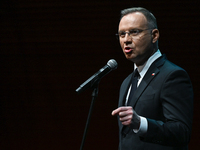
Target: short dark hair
point(151, 19)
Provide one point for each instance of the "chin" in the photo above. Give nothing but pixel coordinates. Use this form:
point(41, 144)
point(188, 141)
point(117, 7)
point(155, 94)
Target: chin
point(130, 57)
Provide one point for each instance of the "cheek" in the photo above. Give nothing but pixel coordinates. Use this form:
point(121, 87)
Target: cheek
point(143, 45)
point(121, 44)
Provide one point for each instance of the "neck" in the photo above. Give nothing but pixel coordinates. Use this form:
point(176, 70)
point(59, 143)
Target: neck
point(145, 60)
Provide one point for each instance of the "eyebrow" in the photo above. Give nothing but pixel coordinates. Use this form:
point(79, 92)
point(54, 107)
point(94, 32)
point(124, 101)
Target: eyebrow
point(130, 29)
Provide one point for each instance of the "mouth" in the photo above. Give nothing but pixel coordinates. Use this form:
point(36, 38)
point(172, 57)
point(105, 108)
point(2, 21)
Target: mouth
point(128, 50)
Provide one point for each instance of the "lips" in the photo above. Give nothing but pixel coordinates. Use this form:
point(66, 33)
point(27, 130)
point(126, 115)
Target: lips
point(128, 50)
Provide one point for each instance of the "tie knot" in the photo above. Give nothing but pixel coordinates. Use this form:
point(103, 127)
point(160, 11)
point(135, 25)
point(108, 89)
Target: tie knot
point(136, 73)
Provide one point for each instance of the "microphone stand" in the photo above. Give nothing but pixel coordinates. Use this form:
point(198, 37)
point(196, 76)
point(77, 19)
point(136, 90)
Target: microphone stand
point(94, 96)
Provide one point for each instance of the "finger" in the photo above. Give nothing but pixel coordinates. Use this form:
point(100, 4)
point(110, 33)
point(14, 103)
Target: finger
point(125, 118)
point(121, 109)
point(118, 110)
point(126, 123)
point(126, 113)
point(115, 112)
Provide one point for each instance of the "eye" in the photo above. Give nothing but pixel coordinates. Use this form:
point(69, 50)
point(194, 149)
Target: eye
point(134, 31)
point(122, 34)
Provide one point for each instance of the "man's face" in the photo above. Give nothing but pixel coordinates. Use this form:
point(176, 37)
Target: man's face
point(138, 46)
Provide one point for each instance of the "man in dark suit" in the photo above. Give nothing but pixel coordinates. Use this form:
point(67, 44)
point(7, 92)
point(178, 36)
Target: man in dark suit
point(158, 114)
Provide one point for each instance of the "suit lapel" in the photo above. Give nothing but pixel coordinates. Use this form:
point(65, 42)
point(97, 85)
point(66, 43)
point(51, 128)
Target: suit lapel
point(152, 72)
point(123, 94)
point(124, 90)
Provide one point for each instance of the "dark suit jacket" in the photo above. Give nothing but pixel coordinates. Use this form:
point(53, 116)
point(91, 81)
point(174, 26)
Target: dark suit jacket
point(165, 98)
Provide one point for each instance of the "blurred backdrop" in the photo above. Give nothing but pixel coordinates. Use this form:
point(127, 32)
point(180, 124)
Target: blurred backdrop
point(49, 47)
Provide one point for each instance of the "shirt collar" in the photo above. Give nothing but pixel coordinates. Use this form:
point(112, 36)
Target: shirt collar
point(143, 68)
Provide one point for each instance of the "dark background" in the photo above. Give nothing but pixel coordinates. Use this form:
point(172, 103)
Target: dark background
point(49, 47)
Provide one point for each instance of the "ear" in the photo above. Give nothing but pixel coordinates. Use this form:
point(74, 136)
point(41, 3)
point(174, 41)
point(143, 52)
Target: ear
point(155, 35)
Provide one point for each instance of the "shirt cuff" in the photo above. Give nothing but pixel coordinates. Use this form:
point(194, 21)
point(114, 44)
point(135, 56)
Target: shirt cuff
point(143, 126)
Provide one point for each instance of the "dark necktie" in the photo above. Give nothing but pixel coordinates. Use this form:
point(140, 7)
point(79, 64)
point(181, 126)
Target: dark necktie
point(133, 85)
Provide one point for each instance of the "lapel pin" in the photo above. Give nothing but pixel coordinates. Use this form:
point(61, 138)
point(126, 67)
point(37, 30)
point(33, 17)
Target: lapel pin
point(153, 74)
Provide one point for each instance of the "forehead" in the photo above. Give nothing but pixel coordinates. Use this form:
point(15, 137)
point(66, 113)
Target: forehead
point(133, 20)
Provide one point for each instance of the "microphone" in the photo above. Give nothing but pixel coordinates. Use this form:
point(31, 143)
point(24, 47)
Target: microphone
point(111, 65)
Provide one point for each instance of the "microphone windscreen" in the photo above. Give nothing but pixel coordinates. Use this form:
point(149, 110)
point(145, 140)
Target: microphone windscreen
point(112, 64)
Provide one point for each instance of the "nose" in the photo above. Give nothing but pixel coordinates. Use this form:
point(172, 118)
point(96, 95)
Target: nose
point(127, 38)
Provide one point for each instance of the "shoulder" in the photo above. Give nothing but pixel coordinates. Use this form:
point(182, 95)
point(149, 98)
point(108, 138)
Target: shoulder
point(171, 68)
point(166, 70)
point(172, 73)
point(166, 66)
